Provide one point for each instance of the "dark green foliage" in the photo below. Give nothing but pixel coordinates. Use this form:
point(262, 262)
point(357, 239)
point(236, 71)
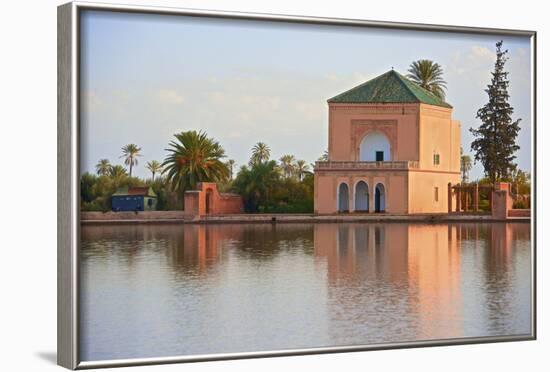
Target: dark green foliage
point(87, 183)
point(130, 154)
point(292, 196)
point(495, 139)
point(323, 157)
point(193, 157)
point(520, 181)
point(260, 153)
point(166, 199)
point(429, 75)
point(264, 190)
point(484, 205)
point(521, 204)
point(103, 167)
point(96, 191)
point(255, 184)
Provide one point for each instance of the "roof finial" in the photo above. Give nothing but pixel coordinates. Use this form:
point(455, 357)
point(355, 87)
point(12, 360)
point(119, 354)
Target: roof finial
point(392, 68)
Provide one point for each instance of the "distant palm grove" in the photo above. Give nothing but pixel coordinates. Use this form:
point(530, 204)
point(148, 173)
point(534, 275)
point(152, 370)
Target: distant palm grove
point(266, 185)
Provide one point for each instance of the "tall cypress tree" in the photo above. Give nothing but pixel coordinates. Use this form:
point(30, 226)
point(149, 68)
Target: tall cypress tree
point(495, 139)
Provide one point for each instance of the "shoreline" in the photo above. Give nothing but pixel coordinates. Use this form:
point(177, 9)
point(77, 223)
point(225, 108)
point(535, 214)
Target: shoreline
point(88, 218)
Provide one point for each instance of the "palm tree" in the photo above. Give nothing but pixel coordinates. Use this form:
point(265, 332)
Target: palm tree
point(130, 153)
point(117, 172)
point(154, 167)
point(194, 158)
point(230, 165)
point(287, 165)
point(103, 167)
point(260, 153)
point(256, 183)
point(323, 157)
point(429, 75)
point(465, 167)
point(302, 168)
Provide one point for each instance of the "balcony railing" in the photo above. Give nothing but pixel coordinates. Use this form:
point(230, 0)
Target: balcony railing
point(323, 165)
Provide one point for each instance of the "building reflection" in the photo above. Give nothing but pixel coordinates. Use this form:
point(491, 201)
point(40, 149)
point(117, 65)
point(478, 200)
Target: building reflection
point(401, 281)
point(435, 273)
point(201, 246)
point(501, 259)
point(435, 268)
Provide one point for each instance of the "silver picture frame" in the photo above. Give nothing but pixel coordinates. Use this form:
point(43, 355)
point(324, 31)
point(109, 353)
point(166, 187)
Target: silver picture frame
point(68, 219)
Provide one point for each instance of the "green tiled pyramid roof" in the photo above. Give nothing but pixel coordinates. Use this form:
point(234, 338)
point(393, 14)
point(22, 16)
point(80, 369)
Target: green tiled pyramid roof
point(391, 87)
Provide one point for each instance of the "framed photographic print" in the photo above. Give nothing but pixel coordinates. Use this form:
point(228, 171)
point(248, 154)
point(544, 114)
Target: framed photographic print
point(235, 185)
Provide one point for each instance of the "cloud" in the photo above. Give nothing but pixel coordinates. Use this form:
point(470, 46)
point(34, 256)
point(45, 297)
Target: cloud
point(91, 101)
point(312, 110)
point(472, 60)
point(482, 52)
point(169, 97)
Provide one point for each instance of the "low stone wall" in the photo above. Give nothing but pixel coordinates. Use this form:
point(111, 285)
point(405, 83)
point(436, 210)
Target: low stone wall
point(229, 204)
point(519, 213)
point(178, 216)
point(132, 216)
point(372, 217)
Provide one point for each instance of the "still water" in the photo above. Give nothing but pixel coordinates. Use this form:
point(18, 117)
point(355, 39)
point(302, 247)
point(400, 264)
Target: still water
point(167, 290)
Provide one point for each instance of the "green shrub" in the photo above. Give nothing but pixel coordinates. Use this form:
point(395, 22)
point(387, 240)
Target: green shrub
point(521, 204)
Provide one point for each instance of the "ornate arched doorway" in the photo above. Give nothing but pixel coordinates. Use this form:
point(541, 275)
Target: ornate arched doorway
point(379, 198)
point(361, 197)
point(375, 147)
point(343, 198)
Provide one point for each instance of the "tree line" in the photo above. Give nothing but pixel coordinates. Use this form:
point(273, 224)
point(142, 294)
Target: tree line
point(266, 185)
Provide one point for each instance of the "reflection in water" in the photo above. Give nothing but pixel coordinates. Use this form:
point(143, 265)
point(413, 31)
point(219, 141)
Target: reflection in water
point(164, 290)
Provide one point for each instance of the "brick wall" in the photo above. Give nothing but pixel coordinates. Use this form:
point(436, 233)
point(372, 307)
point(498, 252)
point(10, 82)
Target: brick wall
point(206, 200)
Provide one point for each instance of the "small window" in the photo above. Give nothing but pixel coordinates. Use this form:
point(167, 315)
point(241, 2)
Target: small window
point(436, 194)
point(436, 159)
point(150, 202)
point(379, 155)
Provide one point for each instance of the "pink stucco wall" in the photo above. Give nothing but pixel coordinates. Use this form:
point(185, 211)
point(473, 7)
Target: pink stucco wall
point(422, 193)
point(394, 182)
point(349, 123)
point(206, 200)
point(502, 201)
point(415, 132)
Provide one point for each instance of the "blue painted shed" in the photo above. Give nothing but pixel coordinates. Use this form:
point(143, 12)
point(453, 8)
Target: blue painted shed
point(134, 199)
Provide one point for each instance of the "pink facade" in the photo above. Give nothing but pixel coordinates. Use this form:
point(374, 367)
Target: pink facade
point(502, 201)
point(206, 200)
point(388, 157)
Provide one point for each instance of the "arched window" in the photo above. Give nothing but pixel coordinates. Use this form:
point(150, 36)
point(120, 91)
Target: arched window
point(375, 147)
point(343, 198)
point(361, 197)
point(379, 198)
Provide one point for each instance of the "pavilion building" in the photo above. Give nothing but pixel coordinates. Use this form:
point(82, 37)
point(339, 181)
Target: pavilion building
point(392, 147)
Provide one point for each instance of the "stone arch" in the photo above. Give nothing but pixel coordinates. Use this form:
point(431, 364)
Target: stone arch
point(361, 197)
point(380, 198)
point(373, 146)
point(343, 197)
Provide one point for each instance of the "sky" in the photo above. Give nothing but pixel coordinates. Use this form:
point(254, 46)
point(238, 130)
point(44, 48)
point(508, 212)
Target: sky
point(145, 77)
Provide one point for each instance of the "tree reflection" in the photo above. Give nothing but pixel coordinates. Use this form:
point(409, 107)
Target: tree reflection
point(383, 282)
